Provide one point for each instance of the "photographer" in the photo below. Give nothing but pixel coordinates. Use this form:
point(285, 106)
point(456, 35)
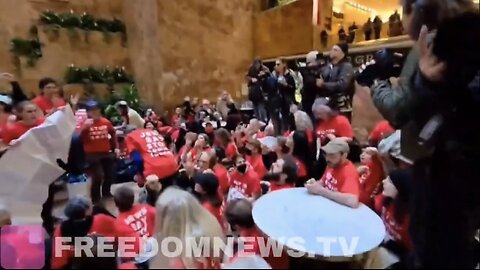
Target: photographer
point(310, 74)
point(443, 110)
point(337, 82)
point(257, 73)
point(437, 134)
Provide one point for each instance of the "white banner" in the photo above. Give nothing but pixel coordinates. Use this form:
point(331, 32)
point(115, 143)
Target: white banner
point(30, 165)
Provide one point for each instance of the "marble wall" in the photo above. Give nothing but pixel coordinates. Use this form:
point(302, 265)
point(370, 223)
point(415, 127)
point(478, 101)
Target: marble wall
point(175, 48)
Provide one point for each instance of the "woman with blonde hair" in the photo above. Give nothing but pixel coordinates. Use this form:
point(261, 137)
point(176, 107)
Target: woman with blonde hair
point(181, 216)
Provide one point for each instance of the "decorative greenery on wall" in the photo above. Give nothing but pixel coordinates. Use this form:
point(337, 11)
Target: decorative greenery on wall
point(30, 48)
point(86, 22)
point(130, 95)
point(90, 74)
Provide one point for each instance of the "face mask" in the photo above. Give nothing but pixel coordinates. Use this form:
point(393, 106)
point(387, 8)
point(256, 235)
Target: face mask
point(242, 168)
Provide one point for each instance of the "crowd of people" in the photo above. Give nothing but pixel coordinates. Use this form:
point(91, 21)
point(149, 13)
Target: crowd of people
point(202, 168)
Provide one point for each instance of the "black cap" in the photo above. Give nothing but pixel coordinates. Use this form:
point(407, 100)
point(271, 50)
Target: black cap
point(208, 182)
point(344, 47)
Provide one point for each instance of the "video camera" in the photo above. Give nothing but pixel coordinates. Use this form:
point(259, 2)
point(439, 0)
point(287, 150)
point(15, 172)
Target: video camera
point(387, 63)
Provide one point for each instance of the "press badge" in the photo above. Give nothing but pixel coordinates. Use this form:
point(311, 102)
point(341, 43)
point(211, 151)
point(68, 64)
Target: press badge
point(430, 128)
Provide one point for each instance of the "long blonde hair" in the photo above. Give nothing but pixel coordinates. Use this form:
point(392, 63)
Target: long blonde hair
point(181, 216)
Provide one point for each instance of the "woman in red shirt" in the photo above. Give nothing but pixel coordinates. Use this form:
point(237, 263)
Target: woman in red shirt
point(80, 222)
point(28, 119)
point(223, 139)
point(371, 175)
point(254, 157)
point(50, 96)
point(330, 123)
point(202, 144)
point(392, 206)
point(206, 188)
point(181, 216)
point(100, 143)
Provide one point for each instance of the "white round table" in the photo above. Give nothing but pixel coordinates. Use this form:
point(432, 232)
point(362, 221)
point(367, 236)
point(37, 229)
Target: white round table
point(293, 215)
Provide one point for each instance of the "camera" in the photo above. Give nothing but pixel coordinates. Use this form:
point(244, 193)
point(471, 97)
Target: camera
point(387, 64)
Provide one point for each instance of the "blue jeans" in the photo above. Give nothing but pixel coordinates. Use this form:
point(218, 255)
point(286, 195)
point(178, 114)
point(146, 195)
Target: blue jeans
point(260, 111)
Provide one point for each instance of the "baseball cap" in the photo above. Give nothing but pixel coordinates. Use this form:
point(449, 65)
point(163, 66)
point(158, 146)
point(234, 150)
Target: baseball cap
point(76, 207)
point(122, 103)
point(336, 145)
point(5, 99)
point(208, 182)
point(92, 104)
point(311, 57)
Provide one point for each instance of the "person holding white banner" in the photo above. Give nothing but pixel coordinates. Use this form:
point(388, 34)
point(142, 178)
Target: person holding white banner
point(28, 119)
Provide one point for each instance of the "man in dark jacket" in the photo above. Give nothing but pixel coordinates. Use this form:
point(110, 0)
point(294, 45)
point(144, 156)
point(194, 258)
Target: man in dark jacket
point(337, 80)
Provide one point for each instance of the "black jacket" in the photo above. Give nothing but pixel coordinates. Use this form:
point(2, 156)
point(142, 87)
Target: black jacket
point(339, 84)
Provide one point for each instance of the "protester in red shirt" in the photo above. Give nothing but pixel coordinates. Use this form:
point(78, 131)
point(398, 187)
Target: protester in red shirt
point(340, 183)
point(101, 147)
point(97, 261)
point(220, 171)
point(244, 181)
point(224, 140)
point(392, 206)
point(28, 119)
point(330, 124)
point(190, 139)
point(382, 130)
point(206, 187)
point(239, 216)
point(371, 175)
point(202, 144)
point(49, 98)
point(254, 157)
point(79, 223)
point(283, 174)
point(140, 218)
point(149, 148)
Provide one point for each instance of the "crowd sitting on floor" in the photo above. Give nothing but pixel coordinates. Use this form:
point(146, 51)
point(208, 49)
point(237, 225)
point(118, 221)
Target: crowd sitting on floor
point(201, 169)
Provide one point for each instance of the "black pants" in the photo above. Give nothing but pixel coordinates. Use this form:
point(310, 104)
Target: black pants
point(101, 168)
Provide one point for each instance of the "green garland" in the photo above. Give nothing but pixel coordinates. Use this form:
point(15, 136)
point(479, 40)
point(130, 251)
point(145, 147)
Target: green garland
point(84, 21)
point(92, 75)
point(29, 48)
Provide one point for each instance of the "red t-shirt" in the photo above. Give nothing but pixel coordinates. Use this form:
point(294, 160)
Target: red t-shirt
point(215, 211)
point(256, 161)
point(231, 151)
point(46, 105)
point(372, 180)
point(157, 158)
point(381, 130)
point(102, 225)
point(10, 133)
point(337, 125)
point(247, 184)
point(396, 231)
point(343, 179)
point(223, 178)
point(96, 137)
point(274, 187)
point(141, 218)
